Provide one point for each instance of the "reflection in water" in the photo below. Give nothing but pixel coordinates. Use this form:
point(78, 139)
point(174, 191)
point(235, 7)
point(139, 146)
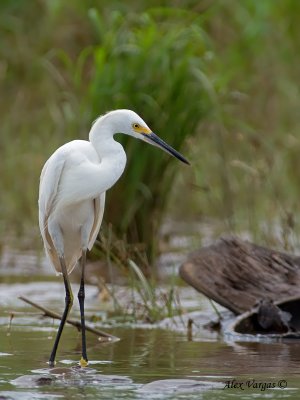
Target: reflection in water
point(136, 367)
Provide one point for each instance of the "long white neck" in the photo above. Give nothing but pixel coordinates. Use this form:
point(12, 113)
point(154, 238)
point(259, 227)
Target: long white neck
point(102, 138)
point(111, 153)
point(99, 134)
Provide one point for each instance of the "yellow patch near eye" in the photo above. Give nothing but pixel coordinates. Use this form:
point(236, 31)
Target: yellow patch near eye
point(141, 129)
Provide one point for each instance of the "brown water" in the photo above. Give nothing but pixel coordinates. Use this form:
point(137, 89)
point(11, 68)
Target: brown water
point(149, 362)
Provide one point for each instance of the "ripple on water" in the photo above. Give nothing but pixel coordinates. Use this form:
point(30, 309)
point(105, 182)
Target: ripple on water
point(76, 376)
point(69, 376)
point(179, 386)
point(11, 395)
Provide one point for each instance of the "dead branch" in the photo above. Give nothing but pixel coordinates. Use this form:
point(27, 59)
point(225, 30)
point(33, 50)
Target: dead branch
point(49, 313)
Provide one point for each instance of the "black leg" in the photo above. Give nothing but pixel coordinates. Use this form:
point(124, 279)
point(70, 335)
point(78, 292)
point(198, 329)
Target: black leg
point(68, 305)
point(81, 296)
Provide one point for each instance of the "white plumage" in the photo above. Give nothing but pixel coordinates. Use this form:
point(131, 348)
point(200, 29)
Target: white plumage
point(72, 196)
point(73, 185)
point(71, 202)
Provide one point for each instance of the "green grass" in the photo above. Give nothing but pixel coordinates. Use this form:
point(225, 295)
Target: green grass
point(245, 169)
point(218, 80)
point(129, 70)
point(147, 301)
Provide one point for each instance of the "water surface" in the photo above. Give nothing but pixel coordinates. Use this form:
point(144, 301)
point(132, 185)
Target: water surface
point(148, 362)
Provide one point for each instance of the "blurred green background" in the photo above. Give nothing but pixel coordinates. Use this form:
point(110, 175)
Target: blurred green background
point(217, 79)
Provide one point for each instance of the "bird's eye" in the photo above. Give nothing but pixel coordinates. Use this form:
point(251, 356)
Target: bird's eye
point(136, 126)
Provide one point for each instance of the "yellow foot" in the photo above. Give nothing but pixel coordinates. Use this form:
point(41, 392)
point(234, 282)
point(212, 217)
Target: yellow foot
point(51, 364)
point(83, 362)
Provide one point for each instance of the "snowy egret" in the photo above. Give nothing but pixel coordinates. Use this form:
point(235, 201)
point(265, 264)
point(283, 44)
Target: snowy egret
point(72, 195)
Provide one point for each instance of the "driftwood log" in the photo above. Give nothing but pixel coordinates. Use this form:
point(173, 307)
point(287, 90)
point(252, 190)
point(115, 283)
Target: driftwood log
point(238, 274)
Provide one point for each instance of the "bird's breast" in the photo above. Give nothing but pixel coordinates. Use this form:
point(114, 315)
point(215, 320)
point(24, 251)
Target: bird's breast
point(85, 177)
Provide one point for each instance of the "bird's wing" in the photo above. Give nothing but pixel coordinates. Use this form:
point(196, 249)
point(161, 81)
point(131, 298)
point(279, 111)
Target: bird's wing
point(49, 183)
point(99, 203)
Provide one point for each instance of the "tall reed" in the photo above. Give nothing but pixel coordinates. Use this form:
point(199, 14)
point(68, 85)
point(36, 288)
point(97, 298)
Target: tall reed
point(153, 63)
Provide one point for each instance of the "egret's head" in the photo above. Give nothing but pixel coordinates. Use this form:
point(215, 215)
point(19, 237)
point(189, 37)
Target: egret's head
point(130, 123)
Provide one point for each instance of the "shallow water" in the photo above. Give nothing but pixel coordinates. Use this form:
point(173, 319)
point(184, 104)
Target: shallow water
point(147, 362)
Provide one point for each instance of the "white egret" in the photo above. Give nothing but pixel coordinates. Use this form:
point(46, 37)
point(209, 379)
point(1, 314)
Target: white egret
point(72, 194)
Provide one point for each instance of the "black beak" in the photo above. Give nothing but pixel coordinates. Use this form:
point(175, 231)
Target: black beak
point(157, 141)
